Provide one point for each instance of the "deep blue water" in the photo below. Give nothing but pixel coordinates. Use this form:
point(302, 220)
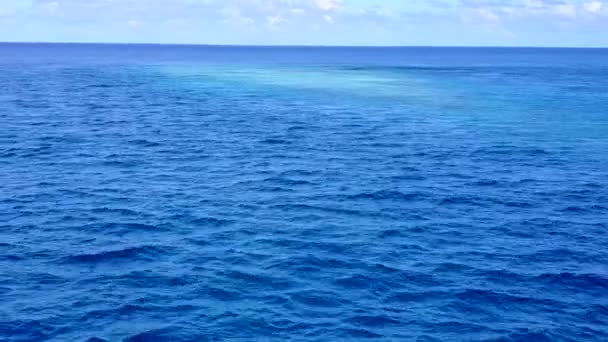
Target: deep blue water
point(183, 193)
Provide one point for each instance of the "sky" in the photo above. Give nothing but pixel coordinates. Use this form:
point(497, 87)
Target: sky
point(577, 23)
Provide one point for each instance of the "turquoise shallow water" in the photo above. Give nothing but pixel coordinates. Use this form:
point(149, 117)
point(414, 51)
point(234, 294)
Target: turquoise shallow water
point(191, 193)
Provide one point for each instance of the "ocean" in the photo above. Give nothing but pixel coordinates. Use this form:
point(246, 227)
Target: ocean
point(221, 193)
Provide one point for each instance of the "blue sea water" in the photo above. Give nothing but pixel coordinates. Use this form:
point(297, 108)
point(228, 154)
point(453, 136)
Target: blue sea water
point(196, 193)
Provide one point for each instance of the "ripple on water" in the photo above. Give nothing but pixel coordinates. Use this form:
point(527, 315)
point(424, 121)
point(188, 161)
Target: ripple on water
point(149, 253)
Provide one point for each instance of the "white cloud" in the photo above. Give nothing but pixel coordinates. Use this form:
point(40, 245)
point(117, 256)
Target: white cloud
point(593, 6)
point(274, 21)
point(487, 14)
point(234, 15)
point(51, 7)
point(328, 19)
point(328, 5)
point(565, 10)
point(134, 23)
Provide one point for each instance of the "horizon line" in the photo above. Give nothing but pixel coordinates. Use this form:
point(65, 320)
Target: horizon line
point(309, 45)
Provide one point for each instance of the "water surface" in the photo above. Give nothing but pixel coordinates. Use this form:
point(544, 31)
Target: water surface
point(192, 193)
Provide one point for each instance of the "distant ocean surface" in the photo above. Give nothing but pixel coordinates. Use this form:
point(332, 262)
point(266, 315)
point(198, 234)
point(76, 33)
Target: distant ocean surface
point(197, 193)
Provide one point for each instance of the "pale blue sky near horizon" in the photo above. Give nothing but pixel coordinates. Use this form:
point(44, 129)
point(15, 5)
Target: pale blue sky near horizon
point(576, 23)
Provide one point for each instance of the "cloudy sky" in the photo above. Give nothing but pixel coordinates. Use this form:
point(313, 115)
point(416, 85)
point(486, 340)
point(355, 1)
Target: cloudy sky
point(304, 22)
